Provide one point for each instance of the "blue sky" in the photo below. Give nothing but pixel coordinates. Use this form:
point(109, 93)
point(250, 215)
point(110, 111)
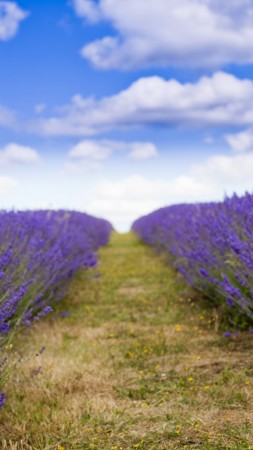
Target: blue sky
point(118, 108)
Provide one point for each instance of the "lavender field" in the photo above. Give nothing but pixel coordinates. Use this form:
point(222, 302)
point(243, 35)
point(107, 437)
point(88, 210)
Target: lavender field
point(40, 252)
point(137, 363)
point(129, 326)
point(211, 244)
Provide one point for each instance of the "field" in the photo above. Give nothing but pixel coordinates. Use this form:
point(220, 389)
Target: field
point(133, 359)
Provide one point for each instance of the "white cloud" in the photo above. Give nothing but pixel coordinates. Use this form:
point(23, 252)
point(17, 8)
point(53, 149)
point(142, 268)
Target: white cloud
point(87, 9)
point(195, 33)
point(234, 171)
point(10, 17)
point(241, 142)
point(123, 200)
point(6, 117)
point(188, 188)
point(18, 154)
point(90, 150)
point(221, 99)
point(142, 150)
point(6, 185)
point(89, 154)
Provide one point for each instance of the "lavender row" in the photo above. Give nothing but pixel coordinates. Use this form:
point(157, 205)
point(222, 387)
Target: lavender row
point(40, 251)
point(211, 244)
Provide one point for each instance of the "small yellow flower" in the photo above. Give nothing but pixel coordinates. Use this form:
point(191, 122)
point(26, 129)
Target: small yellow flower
point(178, 328)
point(207, 387)
point(190, 379)
point(60, 447)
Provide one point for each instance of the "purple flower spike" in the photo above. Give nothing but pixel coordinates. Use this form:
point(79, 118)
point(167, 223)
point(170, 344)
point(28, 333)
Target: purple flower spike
point(40, 251)
point(2, 399)
point(4, 328)
point(210, 244)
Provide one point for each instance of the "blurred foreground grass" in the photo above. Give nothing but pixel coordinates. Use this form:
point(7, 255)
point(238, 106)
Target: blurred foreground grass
point(137, 364)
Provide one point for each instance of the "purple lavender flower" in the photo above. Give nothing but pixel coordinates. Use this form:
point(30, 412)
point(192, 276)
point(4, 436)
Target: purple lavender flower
point(2, 399)
point(40, 251)
point(227, 334)
point(211, 244)
point(230, 302)
point(46, 310)
point(4, 328)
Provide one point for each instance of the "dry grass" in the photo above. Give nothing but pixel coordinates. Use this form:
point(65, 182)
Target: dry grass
point(137, 365)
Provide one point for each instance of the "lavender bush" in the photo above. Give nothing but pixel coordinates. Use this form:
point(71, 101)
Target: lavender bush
point(39, 254)
point(211, 244)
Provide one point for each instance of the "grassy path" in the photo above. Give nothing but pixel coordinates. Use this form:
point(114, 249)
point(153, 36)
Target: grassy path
point(136, 365)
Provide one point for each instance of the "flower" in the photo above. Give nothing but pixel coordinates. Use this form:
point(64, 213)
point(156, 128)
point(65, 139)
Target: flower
point(227, 334)
point(2, 399)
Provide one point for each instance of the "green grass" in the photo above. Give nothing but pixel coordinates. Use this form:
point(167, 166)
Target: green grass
point(137, 365)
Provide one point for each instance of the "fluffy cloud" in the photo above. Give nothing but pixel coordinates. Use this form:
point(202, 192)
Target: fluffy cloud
point(90, 150)
point(140, 151)
point(195, 33)
point(241, 142)
point(123, 200)
point(232, 172)
point(10, 17)
point(87, 9)
point(6, 185)
point(18, 154)
point(221, 99)
point(89, 154)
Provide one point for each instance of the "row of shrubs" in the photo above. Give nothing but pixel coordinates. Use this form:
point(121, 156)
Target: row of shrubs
point(211, 244)
point(40, 252)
